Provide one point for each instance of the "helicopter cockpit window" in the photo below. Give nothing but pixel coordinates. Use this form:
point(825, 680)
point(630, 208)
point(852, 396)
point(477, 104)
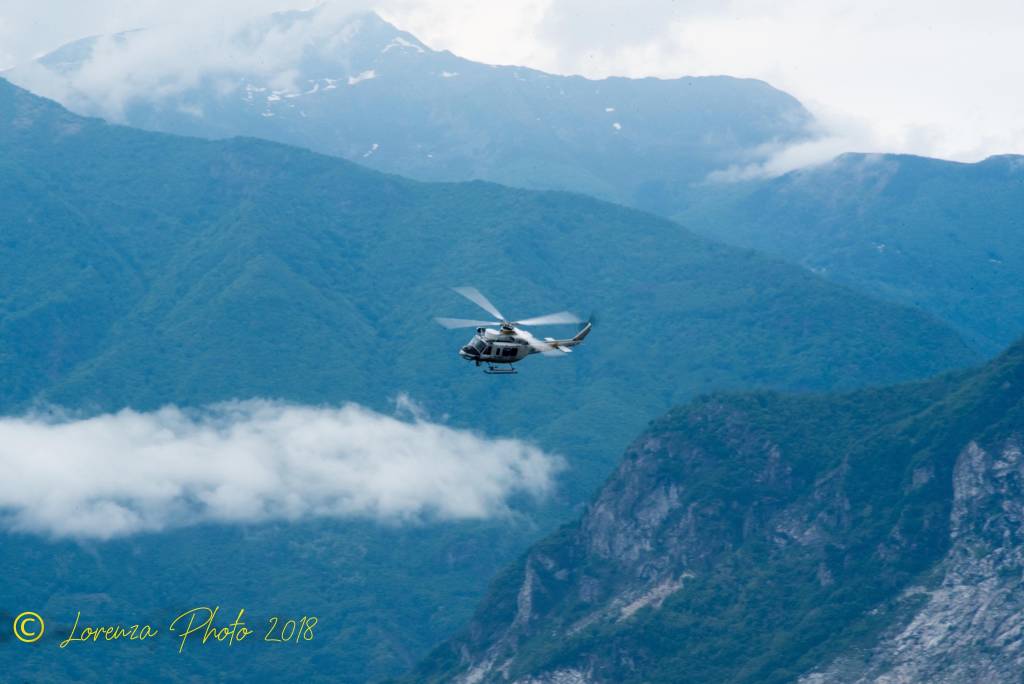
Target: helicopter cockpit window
point(479, 344)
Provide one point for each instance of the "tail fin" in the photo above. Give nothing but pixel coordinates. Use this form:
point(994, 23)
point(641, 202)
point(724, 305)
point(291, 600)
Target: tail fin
point(579, 337)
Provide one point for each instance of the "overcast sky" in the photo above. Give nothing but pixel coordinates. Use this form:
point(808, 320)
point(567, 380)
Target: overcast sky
point(941, 78)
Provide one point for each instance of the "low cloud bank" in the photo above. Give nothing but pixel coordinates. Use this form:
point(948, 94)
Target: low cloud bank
point(833, 133)
point(128, 472)
point(162, 63)
point(829, 135)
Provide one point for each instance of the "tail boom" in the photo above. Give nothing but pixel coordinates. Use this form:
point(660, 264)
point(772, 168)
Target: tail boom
point(567, 345)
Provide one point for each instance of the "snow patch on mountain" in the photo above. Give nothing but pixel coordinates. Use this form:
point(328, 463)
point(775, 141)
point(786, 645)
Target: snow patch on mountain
point(402, 44)
point(363, 76)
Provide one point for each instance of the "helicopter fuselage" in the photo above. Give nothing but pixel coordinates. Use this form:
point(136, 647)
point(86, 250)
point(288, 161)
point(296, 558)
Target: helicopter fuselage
point(505, 346)
point(495, 346)
point(501, 347)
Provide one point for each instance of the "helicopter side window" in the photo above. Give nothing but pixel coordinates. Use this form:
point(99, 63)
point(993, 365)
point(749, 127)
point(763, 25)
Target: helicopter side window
point(508, 351)
point(487, 352)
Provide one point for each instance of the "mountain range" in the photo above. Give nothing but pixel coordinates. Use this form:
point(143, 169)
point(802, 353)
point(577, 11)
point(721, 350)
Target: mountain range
point(938, 235)
point(360, 88)
point(864, 537)
point(140, 269)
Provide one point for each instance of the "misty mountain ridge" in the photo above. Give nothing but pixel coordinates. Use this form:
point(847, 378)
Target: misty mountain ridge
point(357, 87)
point(928, 233)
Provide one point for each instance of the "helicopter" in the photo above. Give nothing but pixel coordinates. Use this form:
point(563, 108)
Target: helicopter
point(500, 348)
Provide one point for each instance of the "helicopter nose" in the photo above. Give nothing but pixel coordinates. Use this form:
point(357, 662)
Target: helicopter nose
point(468, 353)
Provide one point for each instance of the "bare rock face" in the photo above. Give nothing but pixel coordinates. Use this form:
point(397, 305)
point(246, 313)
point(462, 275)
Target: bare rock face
point(645, 536)
point(969, 627)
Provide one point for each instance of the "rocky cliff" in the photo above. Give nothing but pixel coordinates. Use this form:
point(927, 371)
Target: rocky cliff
point(869, 537)
point(966, 624)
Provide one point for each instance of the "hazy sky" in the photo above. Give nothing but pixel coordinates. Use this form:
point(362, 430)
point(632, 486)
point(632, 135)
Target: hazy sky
point(933, 77)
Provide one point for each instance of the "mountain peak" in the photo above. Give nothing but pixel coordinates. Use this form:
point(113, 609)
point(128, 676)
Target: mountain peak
point(355, 86)
point(268, 43)
point(335, 19)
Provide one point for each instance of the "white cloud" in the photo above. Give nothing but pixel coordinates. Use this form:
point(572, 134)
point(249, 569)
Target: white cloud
point(925, 78)
point(580, 28)
point(831, 135)
point(130, 472)
point(7, 60)
point(168, 60)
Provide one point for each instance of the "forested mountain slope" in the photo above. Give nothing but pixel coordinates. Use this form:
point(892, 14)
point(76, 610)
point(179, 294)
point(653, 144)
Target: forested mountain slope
point(140, 268)
point(943, 236)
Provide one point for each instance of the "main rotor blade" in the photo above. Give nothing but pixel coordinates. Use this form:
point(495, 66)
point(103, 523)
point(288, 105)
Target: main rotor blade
point(551, 319)
point(543, 347)
point(473, 295)
point(464, 323)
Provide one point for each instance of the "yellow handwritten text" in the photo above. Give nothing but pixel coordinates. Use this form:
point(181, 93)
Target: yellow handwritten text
point(201, 620)
point(107, 633)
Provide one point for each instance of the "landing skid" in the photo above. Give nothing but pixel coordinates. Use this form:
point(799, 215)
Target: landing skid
point(498, 370)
